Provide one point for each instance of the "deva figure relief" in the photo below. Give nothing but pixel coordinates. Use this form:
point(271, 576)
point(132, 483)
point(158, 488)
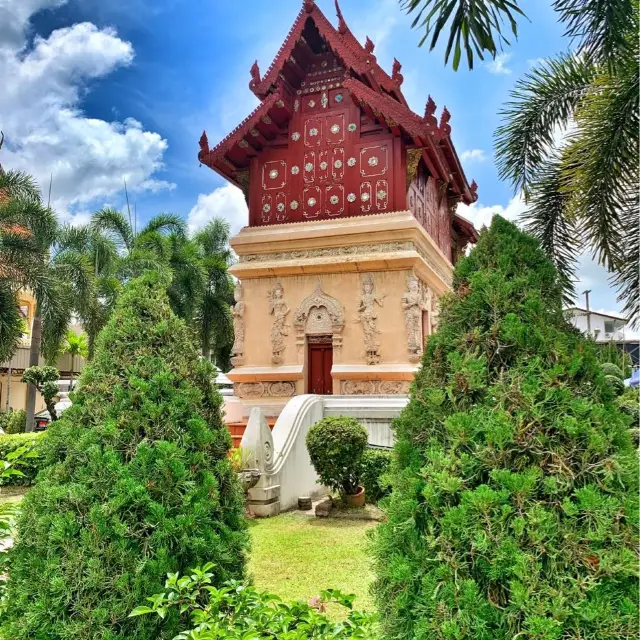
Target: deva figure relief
point(413, 305)
point(237, 351)
point(368, 316)
point(279, 309)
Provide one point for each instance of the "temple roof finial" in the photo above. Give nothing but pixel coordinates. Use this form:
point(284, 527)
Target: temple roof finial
point(430, 109)
point(255, 74)
point(204, 143)
point(368, 45)
point(474, 190)
point(342, 25)
point(396, 76)
point(308, 5)
point(445, 127)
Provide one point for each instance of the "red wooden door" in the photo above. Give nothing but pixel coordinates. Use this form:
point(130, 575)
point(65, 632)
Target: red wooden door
point(320, 362)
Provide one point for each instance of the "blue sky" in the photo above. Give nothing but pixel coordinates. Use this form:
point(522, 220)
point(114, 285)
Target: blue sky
point(107, 89)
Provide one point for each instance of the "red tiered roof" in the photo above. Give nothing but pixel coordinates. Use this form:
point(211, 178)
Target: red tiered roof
point(376, 94)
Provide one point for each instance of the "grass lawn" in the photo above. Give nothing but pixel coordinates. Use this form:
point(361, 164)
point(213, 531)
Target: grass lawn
point(296, 557)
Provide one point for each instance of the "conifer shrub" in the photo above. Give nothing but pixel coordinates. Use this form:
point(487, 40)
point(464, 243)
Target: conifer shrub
point(137, 484)
point(514, 501)
point(375, 464)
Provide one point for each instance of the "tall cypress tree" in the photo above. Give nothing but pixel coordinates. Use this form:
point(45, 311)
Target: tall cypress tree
point(138, 484)
point(515, 490)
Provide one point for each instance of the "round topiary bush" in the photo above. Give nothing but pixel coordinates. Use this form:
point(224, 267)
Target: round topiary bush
point(335, 447)
point(137, 484)
point(375, 464)
point(610, 369)
point(515, 491)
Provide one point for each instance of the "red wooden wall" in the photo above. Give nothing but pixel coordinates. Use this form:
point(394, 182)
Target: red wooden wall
point(334, 164)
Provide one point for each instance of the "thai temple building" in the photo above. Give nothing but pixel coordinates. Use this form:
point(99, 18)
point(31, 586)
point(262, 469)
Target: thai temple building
point(352, 232)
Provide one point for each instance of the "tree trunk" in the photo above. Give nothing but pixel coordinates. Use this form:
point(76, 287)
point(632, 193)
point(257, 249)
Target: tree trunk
point(9, 374)
point(71, 378)
point(34, 357)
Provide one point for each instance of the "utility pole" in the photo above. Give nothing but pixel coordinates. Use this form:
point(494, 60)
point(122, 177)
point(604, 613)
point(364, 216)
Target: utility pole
point(586, 296)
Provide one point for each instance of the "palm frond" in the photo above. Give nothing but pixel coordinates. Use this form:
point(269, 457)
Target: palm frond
point(548, 218)
point(165, 223)
point(17, 184)
point(544, 100)
point(11, 322)
point(604, 161)
point(475, 26)
point(600, 28)
point(115, 225)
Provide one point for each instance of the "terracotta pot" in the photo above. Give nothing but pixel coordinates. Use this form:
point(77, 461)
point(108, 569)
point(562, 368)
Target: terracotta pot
point(355, 499)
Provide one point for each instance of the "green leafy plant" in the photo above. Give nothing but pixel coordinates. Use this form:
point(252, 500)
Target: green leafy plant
point(28, 465)
point(16, 421)
point(45, 380)
point(335, 446)
point(237, 610)
point(375, 464)
point(10, 467)
point(135, 484)
point(240, 459)
point(514, 507)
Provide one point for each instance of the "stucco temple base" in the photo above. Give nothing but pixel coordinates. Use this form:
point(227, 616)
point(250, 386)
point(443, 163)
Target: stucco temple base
point(365, 289)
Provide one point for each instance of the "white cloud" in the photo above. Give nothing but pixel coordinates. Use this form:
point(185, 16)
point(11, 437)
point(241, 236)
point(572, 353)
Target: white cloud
point(481, 215)
point(47, 133)
point(499, 64)
point(224, 202)
point(473, 155)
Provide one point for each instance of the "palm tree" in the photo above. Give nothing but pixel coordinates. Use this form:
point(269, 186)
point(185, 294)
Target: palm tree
point(75, 345)
point(213, 319)
point(581, 187)
point(58, 276)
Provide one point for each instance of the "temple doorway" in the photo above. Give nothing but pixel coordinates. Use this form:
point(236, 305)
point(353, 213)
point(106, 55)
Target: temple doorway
point(320, 361)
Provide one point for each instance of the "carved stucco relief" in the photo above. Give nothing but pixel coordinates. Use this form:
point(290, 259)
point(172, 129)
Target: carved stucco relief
point(279, 309)
point(413, 305)
point(319, 314)
point(383, 247)
point(237, 351)
point(368, 317)
point(374, 387)
point(277, 389)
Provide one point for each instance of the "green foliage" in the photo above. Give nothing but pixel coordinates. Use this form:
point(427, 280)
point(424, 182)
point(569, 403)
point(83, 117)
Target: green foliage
point(629, 403)
point(15, 446)
point(582, 188)
point(44, 379)
point(238, 611)
point(375, 464)
point(515, 492)
point(16, 421)
point(610, 369)
point(474, 26)
point(335, 446)
point(136, 484)
point(616, 383)
point(611, 352)
point(11, 465)
point(11, 322)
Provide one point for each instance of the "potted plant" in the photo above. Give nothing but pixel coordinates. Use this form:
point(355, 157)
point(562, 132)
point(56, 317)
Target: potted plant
point(335, 447)
point(240, 460)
